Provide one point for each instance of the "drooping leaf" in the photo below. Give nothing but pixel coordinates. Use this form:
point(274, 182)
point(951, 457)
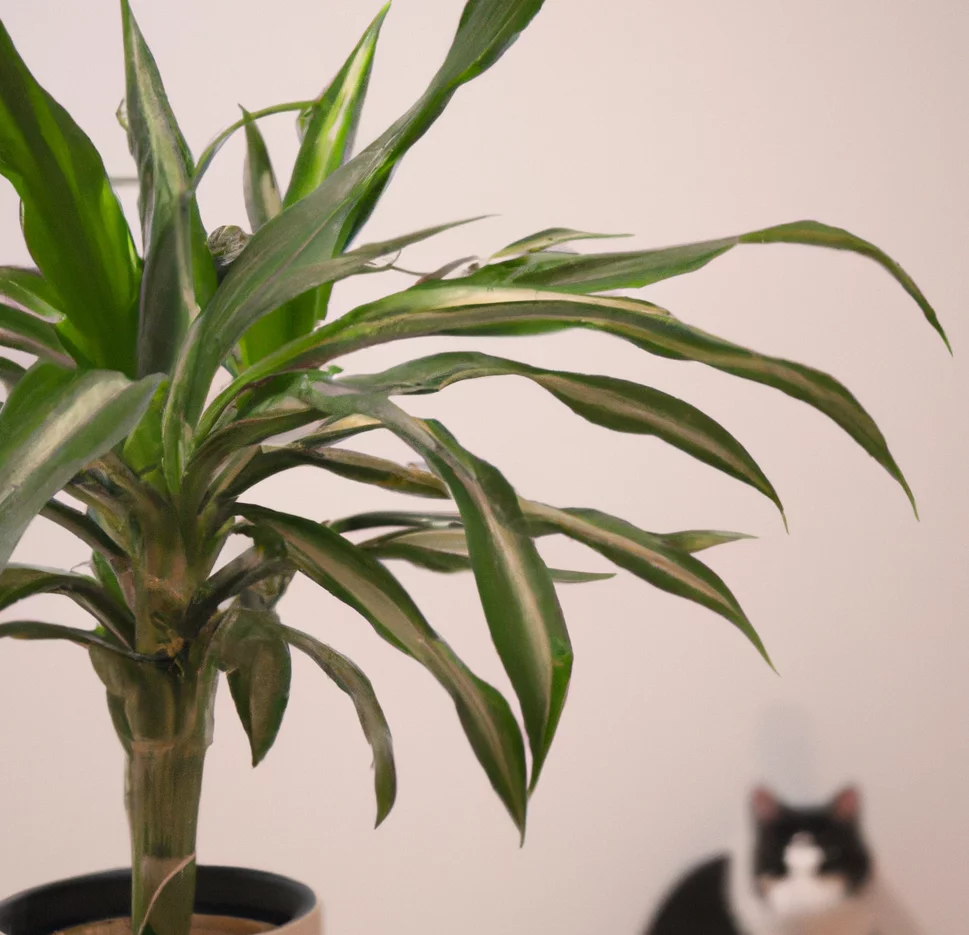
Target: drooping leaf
point(261, 190)
point(82, 526)
point(25, 332)
point(361, 581)
point(54, 423)
point(350, 679)
point(450, 309)
point(516, 590)
point(74, 227)
point(546, 239)
point(18, 582)
point(33, 630)
point(615, 404)
point(164, 168)
point(629, 270)
point(648, 557)
point(251, 650)
point(27, 290)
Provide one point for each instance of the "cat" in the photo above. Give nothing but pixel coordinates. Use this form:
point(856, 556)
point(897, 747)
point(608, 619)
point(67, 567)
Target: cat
point(801, 871)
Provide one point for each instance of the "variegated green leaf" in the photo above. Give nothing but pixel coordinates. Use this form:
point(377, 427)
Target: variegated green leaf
point(251, 650)
point(18, 582)
point(361, 581)
point(34, 630)
point(54, 423)
point(406, 518)
point(164, 162)
point(615, 404)
point(446, 550)
point(696, 540)
point(263, 201)
point(353, 465)
point(276, 262)
point(454, 309)
point(74, 227)
point(329, 127)
point(350, 679)
point(329, 124)
point(516, 590)
point(650, 557)
point(600, 272)
point(546, 239)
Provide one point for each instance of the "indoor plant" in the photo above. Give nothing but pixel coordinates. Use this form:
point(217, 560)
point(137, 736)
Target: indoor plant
point(162, 502)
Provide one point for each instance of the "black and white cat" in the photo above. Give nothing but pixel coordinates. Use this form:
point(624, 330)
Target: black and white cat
point(800, 871)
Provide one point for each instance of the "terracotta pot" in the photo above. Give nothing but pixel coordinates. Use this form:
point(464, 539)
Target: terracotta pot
point(230, 901)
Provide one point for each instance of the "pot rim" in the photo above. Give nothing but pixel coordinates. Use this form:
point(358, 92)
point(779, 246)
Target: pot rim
point(238, 892)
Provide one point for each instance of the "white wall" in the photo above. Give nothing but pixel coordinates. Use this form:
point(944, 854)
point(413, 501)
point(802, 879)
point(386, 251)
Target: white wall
point(678, 121)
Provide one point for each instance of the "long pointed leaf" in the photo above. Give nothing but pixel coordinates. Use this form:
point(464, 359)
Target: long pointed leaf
point(516, 590)
point(320, 226)
point(350, 679)
point(648, 557)
point(263, 201)
point(546, 239)
point(451, 309)
point(330, 125)
point(353, 465)
point(615, 404)
point(361, 581)
point(446, 550)
point(33, 630)
point(54, 423)
point(164, 168)
point(406, 518)
point(74, 227)
point(18, 582)
point(629, 270)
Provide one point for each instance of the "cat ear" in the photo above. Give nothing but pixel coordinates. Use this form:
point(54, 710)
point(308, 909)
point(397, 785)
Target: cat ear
point(764, 805)
point(846, 805)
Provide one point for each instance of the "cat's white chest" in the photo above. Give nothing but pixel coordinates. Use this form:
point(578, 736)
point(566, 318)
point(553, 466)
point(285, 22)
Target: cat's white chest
point(802, 902)
point(805, 890)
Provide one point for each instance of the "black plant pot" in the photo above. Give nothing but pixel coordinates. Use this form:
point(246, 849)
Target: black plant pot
point(222, 891)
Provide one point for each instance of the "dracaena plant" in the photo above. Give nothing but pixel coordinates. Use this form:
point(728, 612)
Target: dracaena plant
point(119, 413)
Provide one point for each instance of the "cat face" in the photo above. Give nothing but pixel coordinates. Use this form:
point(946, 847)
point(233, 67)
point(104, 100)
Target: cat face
point(808, 860)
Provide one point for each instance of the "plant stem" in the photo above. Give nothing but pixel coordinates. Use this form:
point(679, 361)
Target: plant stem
point(164, 785)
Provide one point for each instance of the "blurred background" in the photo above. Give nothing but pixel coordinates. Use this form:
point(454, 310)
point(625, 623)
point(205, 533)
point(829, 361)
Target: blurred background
point(675, 121)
